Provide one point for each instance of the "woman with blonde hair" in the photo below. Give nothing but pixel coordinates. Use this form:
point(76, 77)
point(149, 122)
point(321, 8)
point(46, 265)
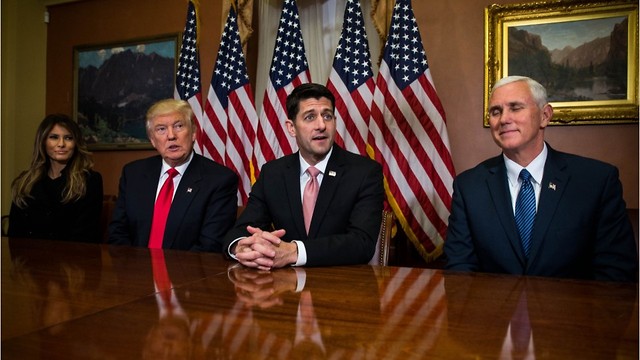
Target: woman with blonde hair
point(60, 196)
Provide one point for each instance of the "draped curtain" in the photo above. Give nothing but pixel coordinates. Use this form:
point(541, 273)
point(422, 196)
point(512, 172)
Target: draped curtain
point(321, 22)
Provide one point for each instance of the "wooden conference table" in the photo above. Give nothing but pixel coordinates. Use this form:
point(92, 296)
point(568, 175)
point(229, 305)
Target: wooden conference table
point(63, 300)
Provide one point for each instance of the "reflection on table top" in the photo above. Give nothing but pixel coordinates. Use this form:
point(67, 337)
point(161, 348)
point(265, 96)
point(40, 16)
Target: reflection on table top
point(63, 300)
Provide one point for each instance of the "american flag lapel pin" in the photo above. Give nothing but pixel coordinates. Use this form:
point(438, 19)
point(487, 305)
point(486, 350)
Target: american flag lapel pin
point(552, 186)
point(332, 173)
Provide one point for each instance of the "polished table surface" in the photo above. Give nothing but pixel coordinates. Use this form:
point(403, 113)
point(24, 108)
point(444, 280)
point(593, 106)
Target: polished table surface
point(63, 300)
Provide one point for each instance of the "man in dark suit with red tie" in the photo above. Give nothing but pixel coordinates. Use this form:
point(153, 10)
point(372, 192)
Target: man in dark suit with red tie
point(150, 213)
point(345, 222)
point(578, 227)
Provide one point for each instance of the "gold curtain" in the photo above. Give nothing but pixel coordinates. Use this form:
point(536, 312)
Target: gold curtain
point(244, 9)
point(381, 11)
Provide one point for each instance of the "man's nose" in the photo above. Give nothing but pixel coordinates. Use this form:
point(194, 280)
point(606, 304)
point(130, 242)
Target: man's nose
point(321, 124)
point(505, 117)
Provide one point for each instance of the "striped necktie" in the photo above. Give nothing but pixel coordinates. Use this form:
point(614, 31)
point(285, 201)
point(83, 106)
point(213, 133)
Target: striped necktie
point(525, 213)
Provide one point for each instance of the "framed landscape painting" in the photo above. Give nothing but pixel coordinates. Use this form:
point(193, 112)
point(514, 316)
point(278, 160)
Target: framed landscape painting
point(116, 83)
point(584, 53)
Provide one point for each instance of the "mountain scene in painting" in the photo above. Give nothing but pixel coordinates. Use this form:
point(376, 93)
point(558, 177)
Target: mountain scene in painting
point(114, 95)
point(577, 68)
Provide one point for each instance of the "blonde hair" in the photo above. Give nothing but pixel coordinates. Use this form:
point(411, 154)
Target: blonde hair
point(169, 106)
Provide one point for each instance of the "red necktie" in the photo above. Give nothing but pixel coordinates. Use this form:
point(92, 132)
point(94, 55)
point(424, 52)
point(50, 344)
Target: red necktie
point(309, 196)
point(161, 211)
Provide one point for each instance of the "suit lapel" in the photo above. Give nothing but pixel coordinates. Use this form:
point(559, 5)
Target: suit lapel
point(183, 196)
point(149, 182)
point(291, 180)
point(554, 182)
point(499, 188)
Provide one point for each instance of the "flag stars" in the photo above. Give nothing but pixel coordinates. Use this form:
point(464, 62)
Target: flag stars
point(289, 53)
point(188, 60)
point(406, 55)
point(352, 60)
point(230, 61)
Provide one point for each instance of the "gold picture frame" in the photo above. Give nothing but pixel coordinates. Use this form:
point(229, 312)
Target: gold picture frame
point(518, 37)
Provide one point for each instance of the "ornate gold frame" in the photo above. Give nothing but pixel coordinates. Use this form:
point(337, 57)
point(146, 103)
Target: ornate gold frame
point(498, 19)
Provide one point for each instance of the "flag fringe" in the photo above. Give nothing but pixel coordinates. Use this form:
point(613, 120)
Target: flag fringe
point(427, 256)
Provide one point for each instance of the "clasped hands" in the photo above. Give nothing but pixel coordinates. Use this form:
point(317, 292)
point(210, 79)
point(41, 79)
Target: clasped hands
point(265, 250)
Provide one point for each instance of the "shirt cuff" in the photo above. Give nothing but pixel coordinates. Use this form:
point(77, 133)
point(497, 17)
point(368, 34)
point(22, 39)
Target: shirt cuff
point(302, 253)
point(233, 243)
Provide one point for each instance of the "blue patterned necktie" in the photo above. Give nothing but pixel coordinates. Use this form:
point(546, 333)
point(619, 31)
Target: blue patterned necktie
point(525, 210)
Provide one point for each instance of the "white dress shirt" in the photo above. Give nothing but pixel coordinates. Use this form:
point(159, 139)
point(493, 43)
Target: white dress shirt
point(535, 168)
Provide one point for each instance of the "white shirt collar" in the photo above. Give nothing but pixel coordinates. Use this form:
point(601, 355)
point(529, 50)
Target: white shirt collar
point(181, 168)
point(535, 168)
point(322, 165)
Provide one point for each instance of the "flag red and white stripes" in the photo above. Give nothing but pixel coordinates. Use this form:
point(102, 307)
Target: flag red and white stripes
point(289, 69)
point(351, 81)
point(409, 136)
point(230, 108)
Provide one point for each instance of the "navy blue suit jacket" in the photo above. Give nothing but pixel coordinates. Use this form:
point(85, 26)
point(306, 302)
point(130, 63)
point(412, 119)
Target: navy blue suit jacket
point(581, 229)
point(204, 206)
point(346, 220)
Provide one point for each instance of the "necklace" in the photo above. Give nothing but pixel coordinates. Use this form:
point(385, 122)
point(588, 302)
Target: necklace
point(54, 176)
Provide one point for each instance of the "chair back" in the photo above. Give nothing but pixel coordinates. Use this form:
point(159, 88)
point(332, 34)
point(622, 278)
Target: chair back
point(381, 256)
point(108, 205)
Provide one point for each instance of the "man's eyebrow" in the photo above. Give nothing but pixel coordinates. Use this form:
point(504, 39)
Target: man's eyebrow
point(509, 104)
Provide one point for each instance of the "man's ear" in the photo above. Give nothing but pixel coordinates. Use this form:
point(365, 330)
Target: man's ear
point(547, 115)
point(290, 127)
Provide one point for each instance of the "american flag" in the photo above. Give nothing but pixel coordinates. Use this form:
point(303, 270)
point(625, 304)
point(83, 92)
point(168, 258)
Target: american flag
point(188, 73)
point(230, 106)
point(289, 68)
point(351, 81)
point(409, 136)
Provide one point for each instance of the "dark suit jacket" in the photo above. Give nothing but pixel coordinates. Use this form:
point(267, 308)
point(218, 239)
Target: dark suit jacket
point(581, 228)
point(204, 206)
point(46, 217)
point(347, 216)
